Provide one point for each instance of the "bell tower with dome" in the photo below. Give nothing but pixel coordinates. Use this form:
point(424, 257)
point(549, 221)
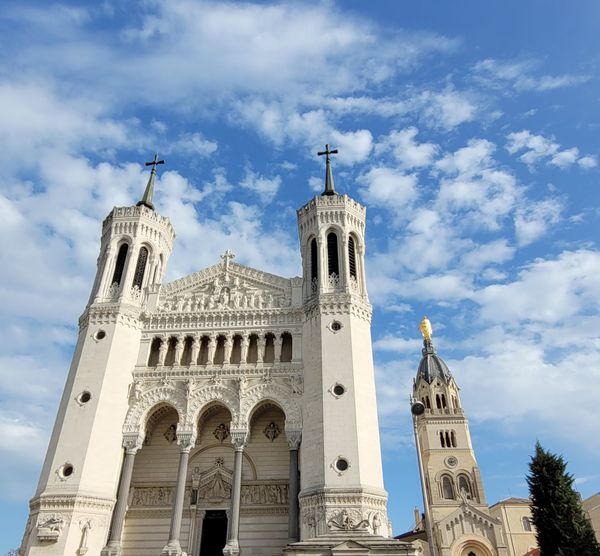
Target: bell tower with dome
point(460, 519)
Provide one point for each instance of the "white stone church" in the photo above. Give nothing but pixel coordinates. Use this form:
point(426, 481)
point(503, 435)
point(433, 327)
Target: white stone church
point(233, 411)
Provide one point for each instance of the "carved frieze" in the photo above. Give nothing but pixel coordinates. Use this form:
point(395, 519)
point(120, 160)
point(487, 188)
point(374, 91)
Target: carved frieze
point(152, 496)
point(50, 526)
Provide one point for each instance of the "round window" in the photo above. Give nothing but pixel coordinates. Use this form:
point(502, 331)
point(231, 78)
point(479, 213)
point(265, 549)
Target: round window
point(338, 389)
point(341, 464)
point(100, 335)
point(84, 397)
point(336, 326)
point(66, 470)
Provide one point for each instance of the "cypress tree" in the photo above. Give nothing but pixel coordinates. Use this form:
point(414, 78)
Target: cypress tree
point(562, 527)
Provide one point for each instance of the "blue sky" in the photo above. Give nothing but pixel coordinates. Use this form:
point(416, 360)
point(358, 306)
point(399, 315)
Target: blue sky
point(469, 130)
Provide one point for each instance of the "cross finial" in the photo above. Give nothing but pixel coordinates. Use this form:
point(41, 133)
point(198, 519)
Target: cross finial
point(149, 193)
point(329, 188)
point(227, 257)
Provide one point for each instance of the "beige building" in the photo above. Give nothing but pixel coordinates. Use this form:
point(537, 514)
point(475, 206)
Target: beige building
point(230, 411)
point(515, 515)
point(592, 507)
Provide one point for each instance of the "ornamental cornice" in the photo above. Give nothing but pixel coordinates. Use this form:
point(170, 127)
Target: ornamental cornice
point(167, 322)
point(120, 215)
point(225, 371)
point(339, 304)
point(52, 502)
point(111, 313)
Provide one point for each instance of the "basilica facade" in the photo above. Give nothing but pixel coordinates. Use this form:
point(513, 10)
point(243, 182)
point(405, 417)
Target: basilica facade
point(230, 411)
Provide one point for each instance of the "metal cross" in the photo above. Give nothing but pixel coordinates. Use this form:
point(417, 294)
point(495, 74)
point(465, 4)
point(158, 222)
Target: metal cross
point(327, 152)
point(227, 257)
point(155, 163)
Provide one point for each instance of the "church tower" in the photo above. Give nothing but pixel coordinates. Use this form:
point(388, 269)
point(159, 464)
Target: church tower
point(71, 510)
point(342, 495)
point(460, 520)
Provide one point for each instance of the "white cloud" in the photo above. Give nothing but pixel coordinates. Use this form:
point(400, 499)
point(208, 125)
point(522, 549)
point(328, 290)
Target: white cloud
point(495, 252)
point(447, 109)
point(538, 147)
point(266, 188)
point(191, 144)
point(395, 344)
point(406, 150)
point(518, 76)
point(386, 187)
point(533, 219)
point(546, 290)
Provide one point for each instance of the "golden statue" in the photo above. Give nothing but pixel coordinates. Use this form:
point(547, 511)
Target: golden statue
point(425, 328)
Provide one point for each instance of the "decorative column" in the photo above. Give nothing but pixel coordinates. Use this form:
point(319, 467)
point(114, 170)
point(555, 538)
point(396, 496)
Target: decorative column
point(113, 547)
point(211, 347)
point(127, 279)
point(277, 343)
point(186, 441)
point(322, 254)
point(362, 288)
point(293, 438)
point(244, 348)
point(179, 350)
point(238, 439)
point(345, 265)
point(195, 350)
point(260, 348)
point(227, 348)
point(162, 350)
point(104, 267)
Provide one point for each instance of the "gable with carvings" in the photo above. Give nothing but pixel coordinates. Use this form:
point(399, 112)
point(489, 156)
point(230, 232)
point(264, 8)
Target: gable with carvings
point(225, 287)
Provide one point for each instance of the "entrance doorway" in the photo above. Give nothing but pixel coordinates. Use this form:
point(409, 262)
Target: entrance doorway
point(214, 533)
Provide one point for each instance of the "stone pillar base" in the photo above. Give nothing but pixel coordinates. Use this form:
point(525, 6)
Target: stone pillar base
point(231, 549)
point(112, 549)
point(173, 549)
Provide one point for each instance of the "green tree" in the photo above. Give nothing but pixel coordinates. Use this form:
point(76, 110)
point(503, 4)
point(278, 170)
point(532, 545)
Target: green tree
point(562, 528)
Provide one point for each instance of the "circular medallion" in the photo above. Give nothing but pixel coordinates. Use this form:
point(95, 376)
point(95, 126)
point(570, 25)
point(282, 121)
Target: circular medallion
point(451, 461)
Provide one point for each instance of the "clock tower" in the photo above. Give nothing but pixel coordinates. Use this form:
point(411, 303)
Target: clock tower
point(460, 519)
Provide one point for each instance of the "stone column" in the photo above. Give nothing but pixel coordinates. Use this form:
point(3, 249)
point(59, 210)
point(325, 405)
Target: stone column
point(127, 278)
point(227, 348)
point(211, 347)
point(195, 350)
point(345, 265)
point(260, 348)
point(162, 350)
point(322, 256)
point(232, 548)
point(104, 267)
point(362, 286)
point(186, 441)
point(113, 547)
point(244, 348)
point(293, 438)
point(277, 343)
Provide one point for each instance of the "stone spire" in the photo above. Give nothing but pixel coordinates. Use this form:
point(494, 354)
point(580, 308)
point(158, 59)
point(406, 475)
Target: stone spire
point(149, 192)
point(329, 188)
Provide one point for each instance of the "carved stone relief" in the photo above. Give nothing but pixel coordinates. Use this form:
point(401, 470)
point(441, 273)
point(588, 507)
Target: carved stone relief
point(272, 431)
point(348, 520)
point(152, 496)
point(50, 526)
point(221, 432)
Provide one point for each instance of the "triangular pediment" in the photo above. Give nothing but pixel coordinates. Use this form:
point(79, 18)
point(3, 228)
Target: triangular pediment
point(226, 287)
point(470, 512)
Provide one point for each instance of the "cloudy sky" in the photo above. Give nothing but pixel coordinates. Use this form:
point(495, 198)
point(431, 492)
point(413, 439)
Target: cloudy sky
point(469, 130)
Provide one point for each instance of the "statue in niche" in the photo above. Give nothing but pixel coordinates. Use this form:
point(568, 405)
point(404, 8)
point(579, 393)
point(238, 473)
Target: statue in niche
point(272, 431)
point(297, 384)
point(171, 434)
point(376, 525)
point(221, 432)
point(85, 525)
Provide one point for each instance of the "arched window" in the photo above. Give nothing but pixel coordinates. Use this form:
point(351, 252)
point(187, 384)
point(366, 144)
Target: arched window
point(269, 355)
point(453, 438)
point(526, 524)
point(286, 347)
point(448, 442)
point(154, 352)
point(314, 261)
point(121, 258)
point(140, 268)
point(443, 401)
point(447, 489)
point(352, 257)
point(438, 401)
point(427, 402)
point(333, 266)
point(442, 441)
point(186, 357)
point(471, 553)
point(464, 486)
